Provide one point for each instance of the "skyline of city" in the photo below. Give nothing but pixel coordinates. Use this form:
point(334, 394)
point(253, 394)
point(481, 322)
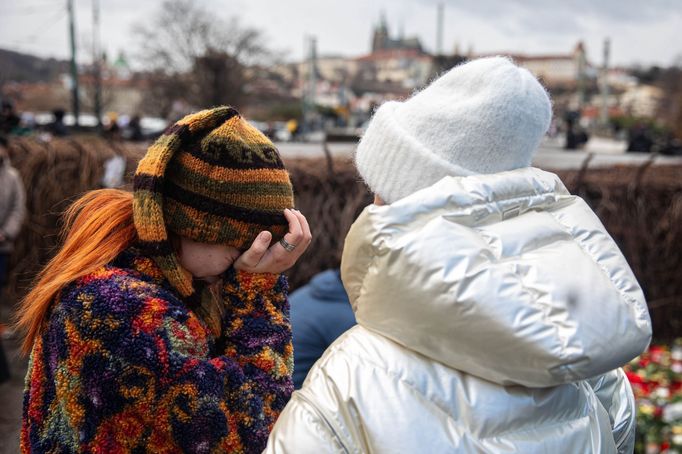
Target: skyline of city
point(530, 27)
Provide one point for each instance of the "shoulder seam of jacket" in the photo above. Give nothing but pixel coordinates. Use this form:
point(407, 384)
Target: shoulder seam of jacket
point(321, 414)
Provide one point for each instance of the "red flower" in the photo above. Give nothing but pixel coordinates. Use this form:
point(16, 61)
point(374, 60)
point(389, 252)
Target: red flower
point(633, 377)
point(656, 352)
point(675, 387)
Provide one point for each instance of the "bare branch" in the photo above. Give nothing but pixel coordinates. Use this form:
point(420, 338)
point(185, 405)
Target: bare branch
point(197, 58)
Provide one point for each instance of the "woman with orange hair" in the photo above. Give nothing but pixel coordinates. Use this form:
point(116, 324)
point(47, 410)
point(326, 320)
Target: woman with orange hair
point(161, 325)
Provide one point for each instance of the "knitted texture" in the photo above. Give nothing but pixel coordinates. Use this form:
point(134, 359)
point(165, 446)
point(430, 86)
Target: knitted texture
point(485, 116)
point(213, 178)
point(124, 366)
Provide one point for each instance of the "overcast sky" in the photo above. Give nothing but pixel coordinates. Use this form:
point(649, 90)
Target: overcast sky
point(641, 31)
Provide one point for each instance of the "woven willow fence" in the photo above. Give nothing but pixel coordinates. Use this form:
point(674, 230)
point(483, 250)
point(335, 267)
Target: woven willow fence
point(641, 207)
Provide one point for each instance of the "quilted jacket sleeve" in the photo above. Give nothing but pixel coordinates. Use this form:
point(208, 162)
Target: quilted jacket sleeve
point(615, 394)
point(302, 429)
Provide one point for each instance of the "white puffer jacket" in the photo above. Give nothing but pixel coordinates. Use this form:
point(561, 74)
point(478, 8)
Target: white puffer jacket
point(494, 312)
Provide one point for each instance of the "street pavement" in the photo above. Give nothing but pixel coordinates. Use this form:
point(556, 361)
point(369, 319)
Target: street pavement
point(11, 395)
point(550, 155)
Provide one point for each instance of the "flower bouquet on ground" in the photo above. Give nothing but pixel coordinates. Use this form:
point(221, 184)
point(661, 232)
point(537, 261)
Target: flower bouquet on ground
point(656, 379)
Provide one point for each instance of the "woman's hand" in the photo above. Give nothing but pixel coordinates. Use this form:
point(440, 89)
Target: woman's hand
point(276, 259)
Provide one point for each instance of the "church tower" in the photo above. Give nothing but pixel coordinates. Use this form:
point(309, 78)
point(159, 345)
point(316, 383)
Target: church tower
point(380, 38)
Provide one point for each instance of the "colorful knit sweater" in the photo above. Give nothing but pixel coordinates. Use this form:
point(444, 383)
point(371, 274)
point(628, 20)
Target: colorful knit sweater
point(124, 366)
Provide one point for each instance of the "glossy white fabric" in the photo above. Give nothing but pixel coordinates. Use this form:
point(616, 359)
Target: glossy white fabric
point(494, 311)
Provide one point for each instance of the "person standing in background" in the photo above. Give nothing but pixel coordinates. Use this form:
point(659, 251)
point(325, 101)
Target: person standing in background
point(12, 214)
point(320, 312)
point(57, 128)
point(9, 120)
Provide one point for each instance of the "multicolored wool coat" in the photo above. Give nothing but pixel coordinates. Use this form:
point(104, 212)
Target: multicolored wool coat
point(124, 366)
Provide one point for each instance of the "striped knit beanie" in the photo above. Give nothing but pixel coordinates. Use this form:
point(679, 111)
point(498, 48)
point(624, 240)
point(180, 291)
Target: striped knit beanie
point(211, 177)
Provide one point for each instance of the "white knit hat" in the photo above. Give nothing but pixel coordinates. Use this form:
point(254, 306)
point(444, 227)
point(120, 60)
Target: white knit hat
point(485, 116)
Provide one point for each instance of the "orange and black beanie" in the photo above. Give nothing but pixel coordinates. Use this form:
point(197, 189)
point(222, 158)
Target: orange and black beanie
point(211, 177)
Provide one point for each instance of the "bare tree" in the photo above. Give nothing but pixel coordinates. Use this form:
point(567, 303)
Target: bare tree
point(195, 57)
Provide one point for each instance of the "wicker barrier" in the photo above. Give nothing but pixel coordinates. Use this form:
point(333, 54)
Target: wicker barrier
point(640, 206)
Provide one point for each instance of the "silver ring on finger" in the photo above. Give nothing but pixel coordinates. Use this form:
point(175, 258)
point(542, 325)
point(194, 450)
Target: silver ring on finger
point(286, 245)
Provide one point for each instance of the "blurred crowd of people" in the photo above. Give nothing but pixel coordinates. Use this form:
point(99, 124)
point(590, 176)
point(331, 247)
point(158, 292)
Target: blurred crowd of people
point(641, 136)
point(114, 127)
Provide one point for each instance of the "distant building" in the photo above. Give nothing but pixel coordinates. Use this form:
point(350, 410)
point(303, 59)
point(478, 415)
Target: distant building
point(332, 68)
point(642, 100)
point(396, 67)
point(408, 68)
point(621, 79)
point(555, 70)
point(120, 68)
point(122, 90)
point(382, 40)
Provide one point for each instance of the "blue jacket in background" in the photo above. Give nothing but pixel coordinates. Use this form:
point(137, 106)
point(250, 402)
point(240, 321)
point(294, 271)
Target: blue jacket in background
point(320, 312)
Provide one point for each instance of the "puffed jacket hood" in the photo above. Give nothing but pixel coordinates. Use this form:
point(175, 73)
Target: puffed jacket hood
point(507, 277)
point(494, 312)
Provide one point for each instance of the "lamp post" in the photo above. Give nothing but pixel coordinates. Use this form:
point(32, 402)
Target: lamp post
point(74, 68)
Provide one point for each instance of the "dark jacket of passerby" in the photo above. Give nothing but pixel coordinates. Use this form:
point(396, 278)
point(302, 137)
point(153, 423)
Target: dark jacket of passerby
point(9, 120)
point(12, 204)
point(57, 127)
point(640, 140)
point(135, 129)
point(320, 312)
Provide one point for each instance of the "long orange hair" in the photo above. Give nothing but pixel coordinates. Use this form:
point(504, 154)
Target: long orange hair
point(97, 227)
